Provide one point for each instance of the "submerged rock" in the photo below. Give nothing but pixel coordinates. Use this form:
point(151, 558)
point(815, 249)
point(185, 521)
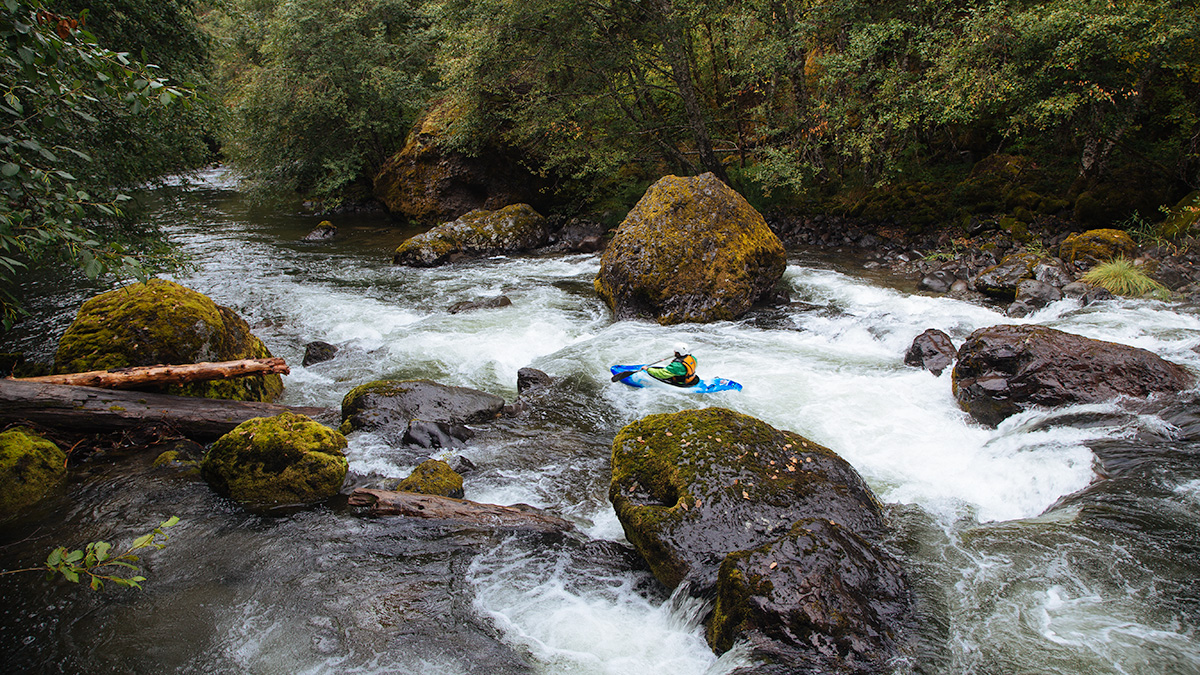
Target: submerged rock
point(324, 231)
point(271, 461)
point(161, 322)
point(390, 405)
point(472, 305)
point(1003, 370)
point(732, 507)
point(430, 435)
point(691, 250)
point(318, 352)
point(512, 229)
point(29, 467)
point(433, 477)
point(932, 350)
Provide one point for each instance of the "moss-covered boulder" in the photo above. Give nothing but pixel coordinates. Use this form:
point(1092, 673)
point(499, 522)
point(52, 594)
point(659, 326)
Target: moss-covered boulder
point(429, 183)
point(691, 250)
point(29, 467)
point(161, 322)
point(1096, 246)
point(513, 229)
point(433, 477)
point(718, 500)
point(273, 461)
point(1003, 370)
point(390, 405)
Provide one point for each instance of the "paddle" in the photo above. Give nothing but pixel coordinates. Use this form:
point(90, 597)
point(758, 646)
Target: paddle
point(620, 376)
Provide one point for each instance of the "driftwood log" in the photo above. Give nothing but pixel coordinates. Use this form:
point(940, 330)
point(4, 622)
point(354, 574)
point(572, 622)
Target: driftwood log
point(518, 517)
point(88, 409)
point(143, 376)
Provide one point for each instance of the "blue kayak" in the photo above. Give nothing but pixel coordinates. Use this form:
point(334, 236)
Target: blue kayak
point(640, 379)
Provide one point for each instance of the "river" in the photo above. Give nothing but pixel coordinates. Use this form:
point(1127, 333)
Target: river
point(1064, 541)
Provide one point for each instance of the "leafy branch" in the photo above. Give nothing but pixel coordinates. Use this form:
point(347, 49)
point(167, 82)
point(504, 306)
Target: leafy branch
point(97, 564)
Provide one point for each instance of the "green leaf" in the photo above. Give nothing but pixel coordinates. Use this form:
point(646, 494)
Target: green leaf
point(74, 556)
point(97, 584)
point(102, 549)
point(173, 520)
point(9, 169)
point(55, 557)
point(142, 541)
point(92, 268)
point(70, 575)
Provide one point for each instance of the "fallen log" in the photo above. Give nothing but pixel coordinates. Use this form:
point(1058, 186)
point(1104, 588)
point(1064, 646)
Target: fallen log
point(88, 409)
point(143, 376)
point(412, 504)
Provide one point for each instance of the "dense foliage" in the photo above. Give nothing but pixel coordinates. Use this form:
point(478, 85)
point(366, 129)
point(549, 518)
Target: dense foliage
point(57, 85)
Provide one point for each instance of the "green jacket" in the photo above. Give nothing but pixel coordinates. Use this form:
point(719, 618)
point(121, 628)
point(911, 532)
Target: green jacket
point(681, 371)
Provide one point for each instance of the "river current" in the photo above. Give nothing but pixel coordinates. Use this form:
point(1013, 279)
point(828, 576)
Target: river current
point(1064, 541)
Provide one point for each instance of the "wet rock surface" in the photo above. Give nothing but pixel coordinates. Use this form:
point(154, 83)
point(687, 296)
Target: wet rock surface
point(932, 350)
point(732, 507)
point(1003, 370)
point(516, 228)
point(391, 405)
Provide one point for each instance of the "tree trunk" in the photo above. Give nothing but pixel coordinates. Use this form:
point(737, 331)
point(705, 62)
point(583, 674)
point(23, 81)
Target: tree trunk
point(144, 376)
point(414, 505)
point(675, 49)
point(88, 409)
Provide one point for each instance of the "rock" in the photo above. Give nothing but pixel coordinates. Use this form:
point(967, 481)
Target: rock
point(428, 184)
point(30, 466)
point(1052, 272)
point(711, 498)
point(932, 350)
point(1096, 294)
point(461, 465)
point(1001, 280)
point(161, 322)
point(324, 231)
point(472, 514)
point(691, 250)
point(512, 229)
point(430, 435)
point(274, 461)
point(1182, 219)
point(1075, 289)
point(389, 405)
point(1003, 370)
point(472, 305)
point(1096, 246)
point(1037, 294)
point(433, 477)
point(578, 236)
point(318, 352)
point(529, 379)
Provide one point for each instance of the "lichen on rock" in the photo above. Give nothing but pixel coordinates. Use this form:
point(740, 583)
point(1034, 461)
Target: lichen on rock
point(691, 250)
point(281, 460)
point(162, 322)
point(29, 467)
point(513, 229)
point(1095, 246)
point(433, 477)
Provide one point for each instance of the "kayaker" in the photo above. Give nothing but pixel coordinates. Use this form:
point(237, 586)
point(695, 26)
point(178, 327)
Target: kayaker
point(681, 371)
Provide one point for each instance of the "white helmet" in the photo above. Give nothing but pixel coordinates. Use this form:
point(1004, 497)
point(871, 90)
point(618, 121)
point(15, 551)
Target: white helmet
point(681, 348)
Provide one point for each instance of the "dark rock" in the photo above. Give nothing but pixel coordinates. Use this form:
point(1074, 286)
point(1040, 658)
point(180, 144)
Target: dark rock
point(461, 465)
point(489, 303)
point(389, 405)
point(708, 495)
point(932, 350)
point(1075, 289)
point(318, 352)
point(1037, 294)
point(1096, 294)
point(691, 250)
point(529, 379)
point(1003, 370)
point(429, 435)
point(1053, 272)
point(1001, 280)
point(322, 232)
point(578, 235)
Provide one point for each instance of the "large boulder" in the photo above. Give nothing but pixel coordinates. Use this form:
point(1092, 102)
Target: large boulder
point(29, 467)
point(430, 184)
point(691, 250)
point(1003, 370)
point(1002, 279)
point(433, 477)
point(732, 507)
point(390, 405)
point(161, 322)
point(513, 229)
point(272, 461)
point(932, 350)
point(1096, 246)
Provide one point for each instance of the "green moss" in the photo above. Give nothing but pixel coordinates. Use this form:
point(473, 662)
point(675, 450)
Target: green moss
point(161, 322)
point(1097, 246)
point(480, 232)
point(433, 477)
point(29, 467)
point(287, 459)
point(1183, 217)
